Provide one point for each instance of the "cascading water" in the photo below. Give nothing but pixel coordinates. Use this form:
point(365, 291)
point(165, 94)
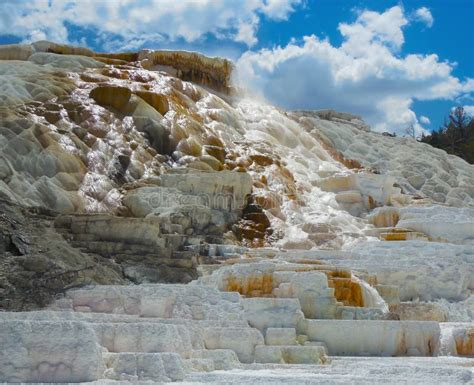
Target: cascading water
point(447, 344)
point(371, 296)
point(307, 216)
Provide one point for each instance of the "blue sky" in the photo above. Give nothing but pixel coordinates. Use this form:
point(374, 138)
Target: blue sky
point(396, 63)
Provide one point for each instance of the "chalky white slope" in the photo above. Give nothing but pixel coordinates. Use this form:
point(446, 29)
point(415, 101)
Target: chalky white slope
point(370, 262)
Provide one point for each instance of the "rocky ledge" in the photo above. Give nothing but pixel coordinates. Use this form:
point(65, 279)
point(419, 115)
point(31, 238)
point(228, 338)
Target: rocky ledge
point(156, 226)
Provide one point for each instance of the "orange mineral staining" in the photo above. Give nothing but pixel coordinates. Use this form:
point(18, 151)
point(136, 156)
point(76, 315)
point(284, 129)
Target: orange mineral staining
point(465, 343)
point(113, 96)
point(347, 291)
point(337, 155)
point(252, 286)
point(122, 56)
point(385, 218)
point(394, 236)
point(158, 101)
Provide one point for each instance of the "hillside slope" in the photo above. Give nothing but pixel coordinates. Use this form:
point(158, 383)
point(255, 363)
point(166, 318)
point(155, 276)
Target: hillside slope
point(125, 176)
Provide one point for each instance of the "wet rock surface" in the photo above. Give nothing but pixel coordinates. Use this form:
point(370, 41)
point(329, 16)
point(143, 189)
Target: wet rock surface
point(44, 254)
point(156, 226)
point(37, 263)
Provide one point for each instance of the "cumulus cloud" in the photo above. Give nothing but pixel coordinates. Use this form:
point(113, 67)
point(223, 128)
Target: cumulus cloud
point(365, 75)
point(424, 15)
point(425, 120)
point(384, 28)
point(469, 110)
point(130, 21)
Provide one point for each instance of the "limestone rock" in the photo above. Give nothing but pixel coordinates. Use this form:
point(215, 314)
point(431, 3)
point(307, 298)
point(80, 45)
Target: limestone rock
point(224, 190)
point(142, 337)
point(223, 359)
point(144, 366)
point(199, 202)
point(49, 352)
point(241, 341)
point(15, 51)
point(69, 62)
point(154, 170)
point(410, 161)
point(264, 313)
point(191, 66)
point(304, 355)
point(38, 263)
point(113, 96)
point(268, 354)
point(109, 228)
point(47, 46)
point(464, 340)
point(385, 338)
point(280, 336)
point(421, 311)
point(28, 82)
point(157, 101)
point(449, 224)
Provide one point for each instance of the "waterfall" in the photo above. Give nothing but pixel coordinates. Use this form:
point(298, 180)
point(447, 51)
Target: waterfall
point(371, 296)
point(447, 345)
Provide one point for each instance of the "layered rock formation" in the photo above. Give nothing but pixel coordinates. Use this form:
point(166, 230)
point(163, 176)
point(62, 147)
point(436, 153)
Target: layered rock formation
point(184, 233)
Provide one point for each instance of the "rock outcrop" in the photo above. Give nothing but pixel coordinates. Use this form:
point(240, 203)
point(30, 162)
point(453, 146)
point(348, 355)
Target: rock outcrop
point(181, 234)
point(37, 263)
point(51, 352)
point(191, 66)
point(419, 169)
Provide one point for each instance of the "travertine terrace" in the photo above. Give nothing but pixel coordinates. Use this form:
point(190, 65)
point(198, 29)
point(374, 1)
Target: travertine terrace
point(158, 226)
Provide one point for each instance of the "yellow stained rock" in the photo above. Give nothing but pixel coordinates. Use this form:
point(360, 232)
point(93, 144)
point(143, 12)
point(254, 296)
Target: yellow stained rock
point(212, 140)
point(251, 285)
point(347, 291)
point(465, 343)
point(385, 217)
point(113, 96)
point(212, 162)
point(63, 49)
point(15, 51)
point(123, 56)
point(199, 165)
point(217, 152)
point(192, 66)
point(158, 101)
point(189, 146)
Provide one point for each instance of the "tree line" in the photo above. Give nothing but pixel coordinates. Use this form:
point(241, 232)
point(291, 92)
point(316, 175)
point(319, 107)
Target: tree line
point(456, 136)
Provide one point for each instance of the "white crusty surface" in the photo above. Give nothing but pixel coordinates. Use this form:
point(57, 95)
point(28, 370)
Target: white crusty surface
point(417, 167)
point(45, 351)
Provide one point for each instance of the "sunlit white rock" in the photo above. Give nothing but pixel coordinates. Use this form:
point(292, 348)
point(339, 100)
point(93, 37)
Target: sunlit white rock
point(280, 336)
point(449, 224)
point(242, 341)
point(263, 313)
point(49, 351)
point(376, 338)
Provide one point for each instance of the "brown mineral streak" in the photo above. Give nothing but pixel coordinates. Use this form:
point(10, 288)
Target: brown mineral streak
point(192, 66)
point(347, 291)
point(465, 343)
point(262, 285)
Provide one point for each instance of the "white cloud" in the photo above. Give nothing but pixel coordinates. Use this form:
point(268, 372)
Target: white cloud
point(469, 110)
point(246, 31)
point(135, 20)
point(385, 28)
point(424, 15)
point(278, 9)
point(365, 75)
point(425, 120)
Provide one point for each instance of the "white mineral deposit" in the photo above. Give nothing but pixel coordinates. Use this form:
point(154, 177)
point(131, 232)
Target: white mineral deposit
point(159, 224)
